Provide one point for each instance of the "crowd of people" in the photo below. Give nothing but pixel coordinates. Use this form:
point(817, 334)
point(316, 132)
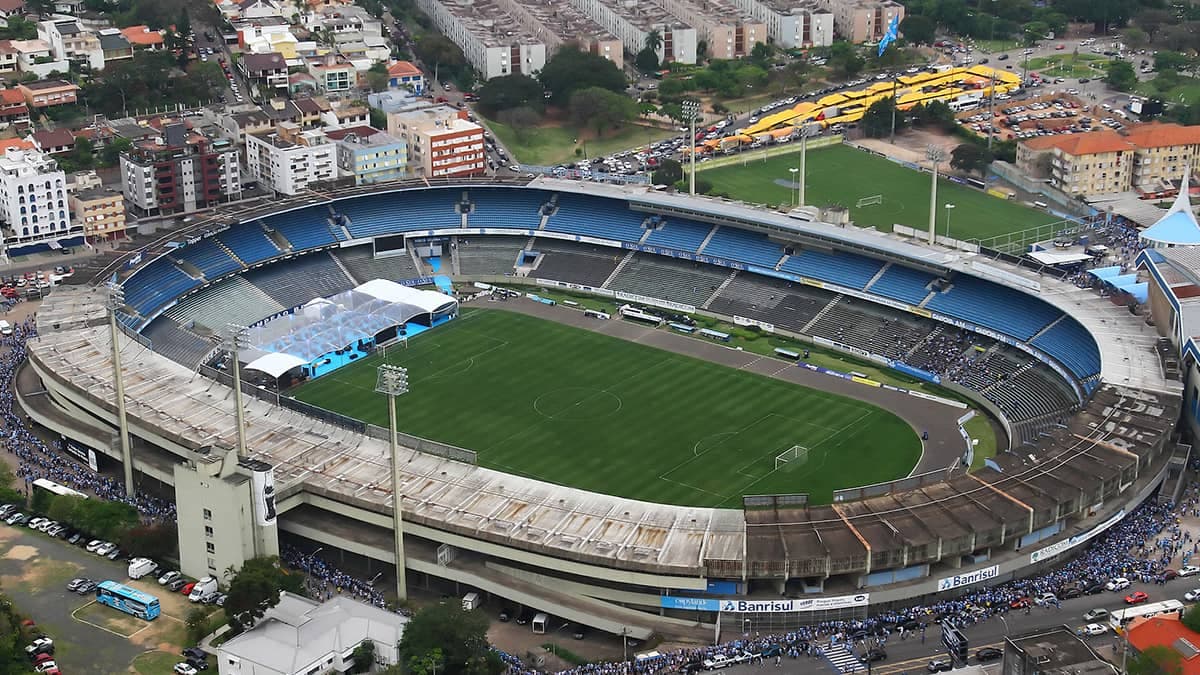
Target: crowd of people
point(324, 580)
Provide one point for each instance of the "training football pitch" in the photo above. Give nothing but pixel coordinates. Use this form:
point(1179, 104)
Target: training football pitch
point(843, 175)
point(562, 404)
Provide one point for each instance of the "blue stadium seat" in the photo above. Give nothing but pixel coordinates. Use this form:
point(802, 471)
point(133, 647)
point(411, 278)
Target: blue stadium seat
point(208, 256)
point(596, 217)
point(902, 283)
point(305, 228)
point(1070, 343)
point(845, 269)
point(249, 243)
point(507, 208)
point(403, 211)
point(748, 247)
point(680, 235)
point(155, 285)
point(994, 306)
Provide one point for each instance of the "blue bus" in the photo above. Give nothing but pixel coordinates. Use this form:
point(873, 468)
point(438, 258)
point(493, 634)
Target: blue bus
point(128, 600)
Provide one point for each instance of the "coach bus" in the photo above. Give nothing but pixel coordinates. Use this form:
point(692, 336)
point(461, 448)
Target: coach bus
point(56, 489)
point(1121, 617)
point(128, 600)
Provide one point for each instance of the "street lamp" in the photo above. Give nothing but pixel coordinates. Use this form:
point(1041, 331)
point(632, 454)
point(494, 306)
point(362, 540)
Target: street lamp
point(795, 187)
point(949, 208)
point(935, 154)
point(235, 341)
point(691, 111)
point(392, 381)
point(116, 300)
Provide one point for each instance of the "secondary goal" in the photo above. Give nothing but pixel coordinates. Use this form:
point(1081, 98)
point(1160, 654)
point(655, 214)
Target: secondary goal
point(793, 457)
point(869, 201)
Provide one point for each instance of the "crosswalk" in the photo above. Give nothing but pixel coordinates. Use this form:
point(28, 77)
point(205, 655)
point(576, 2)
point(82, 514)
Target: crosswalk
point(842, 659)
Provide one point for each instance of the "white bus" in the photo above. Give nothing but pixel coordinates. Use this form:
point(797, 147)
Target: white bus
point(56, 489)
point(1120, 617)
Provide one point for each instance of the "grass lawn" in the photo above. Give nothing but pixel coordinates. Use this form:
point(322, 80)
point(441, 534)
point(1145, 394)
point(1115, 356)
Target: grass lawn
point(1069, 65)
point(155, 663)
point(989, 46)
point(842, 175)
point(555, 144)
point(578, 408)
point(1187, 91)
point(979, 428)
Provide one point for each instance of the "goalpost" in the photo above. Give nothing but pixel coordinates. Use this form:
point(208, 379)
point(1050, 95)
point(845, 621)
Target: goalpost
point(793, 457)
point(869, 201)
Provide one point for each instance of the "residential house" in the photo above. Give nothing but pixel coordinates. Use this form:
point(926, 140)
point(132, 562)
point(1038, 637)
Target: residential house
point(368, 155)
point(1166, 631)
point(405, 74)
point(69, 7)
point(114, 45)
point(346, 115)
point(269, 71)
point(101, 212)
point(13, 107)
point(47, 93)
point(8, 57)
point(1097, 162)
point(302, 84)
point(1164, 152)
point(141, 37)
point(54, 142)
point(235, 126)
point(11, 8)
point(261, 9)
point(333, 74)
point(35, 57)
point(264, 39)
point(70, 42)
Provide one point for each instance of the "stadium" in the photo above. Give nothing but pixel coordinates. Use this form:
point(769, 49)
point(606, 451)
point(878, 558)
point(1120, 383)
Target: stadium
point(1084, 390)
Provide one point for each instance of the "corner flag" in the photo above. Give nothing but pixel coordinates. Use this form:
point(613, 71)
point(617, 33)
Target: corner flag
point(890, 36)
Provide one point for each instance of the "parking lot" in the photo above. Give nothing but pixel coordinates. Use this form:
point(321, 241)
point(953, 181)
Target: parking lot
point(1044, 115)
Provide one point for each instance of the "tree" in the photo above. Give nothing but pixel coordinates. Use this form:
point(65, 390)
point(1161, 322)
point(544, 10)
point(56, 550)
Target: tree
point(601, 109)
point(570, 70)
point(196, 625)
point(918, 29)
point(151, 541)
point(19, 28)
point(668, 172)
point(971, 158)
point(521, 119)
point(206, 77)
point(256, 588)
point(1156, 660)
point(654, 41)
point(426, 664)
point(935, 114)
point(511, 91)
point(1191, 618)
point(12, 640)
point(877, 121)
point(363, 656)
point(761, 54)
point(377, 77)
point(646, 60)
point(1034, 31)
point(1168, 61)
point(460, 636)
point(9, 494)
point(1121, 76)
point(378, 118)
point(439, 51)
point(844, 59)
point(1153, 20)
point(111, 154)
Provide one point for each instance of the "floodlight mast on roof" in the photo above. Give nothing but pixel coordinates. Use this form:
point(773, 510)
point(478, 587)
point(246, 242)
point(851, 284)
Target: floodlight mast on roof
point(392, 382)
point(235, 341)
point(116, 300)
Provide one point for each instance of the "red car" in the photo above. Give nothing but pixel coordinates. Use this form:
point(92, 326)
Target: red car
point(187, 588)
point(1019, 603)
point(1136, 597)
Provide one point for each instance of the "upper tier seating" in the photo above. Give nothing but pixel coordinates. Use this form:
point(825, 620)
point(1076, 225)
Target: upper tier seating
point(902, 283)
point(596, 217)
point(1072, 345)
point(402, 211)
point(208, 256)
point(669, 278)
point(678, 234)
point(176, 343)
point(305, 228)
point(783, 303)
point(865, 325)
point(157, 284)
point(744, 245)
point(489, 255)
point(994, 306)
point(229, 301)
point(249, 243)
point(507, 208)
point(312, 276)
point(844, 269)
point(585, 264)
point(364, 266)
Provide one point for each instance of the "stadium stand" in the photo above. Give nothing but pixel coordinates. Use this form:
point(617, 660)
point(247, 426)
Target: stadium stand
point(669, 278)
point(947, 348)
point(312, 276)
point(155, 285)
point(208, 257)
point(679, 234)
point(304, 228)
point(994, 306)
point(902, 283)
point(364, 266)
point(869, 327)
point(249, 243)
point(845, 269)
point(403, 211)
point(494, 208)
point(749, 247)
point(783, 303)
point(176, 343)
point(1029, 393)
point(489, 255)
point(1071, 344)
point(234, 300)
point(596, 217)
point(585, 264)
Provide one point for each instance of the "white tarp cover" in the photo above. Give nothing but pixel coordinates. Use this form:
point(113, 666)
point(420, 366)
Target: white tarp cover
point(326, 325)
point(1057, 258)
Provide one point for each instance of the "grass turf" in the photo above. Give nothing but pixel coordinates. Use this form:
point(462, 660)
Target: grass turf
point(562, 404)
point(841, 174)
point(550, 144)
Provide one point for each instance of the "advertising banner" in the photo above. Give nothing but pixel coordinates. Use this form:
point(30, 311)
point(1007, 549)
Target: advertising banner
point(744, 321)
point(968, 578)
point(264, 495)
point(1068, 544)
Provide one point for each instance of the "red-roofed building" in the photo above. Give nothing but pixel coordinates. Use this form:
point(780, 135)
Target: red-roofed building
point(141, 37)
point(54, 142)
point(13, 108)
point(1091, 163)
point(1166, 630)
point(405, 74)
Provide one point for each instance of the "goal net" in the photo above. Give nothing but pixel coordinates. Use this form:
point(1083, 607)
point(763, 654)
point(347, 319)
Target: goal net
point(793, 457)
point(870, 201)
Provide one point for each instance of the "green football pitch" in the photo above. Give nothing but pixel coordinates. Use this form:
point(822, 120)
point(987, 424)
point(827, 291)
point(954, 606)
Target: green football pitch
point(562, 404)
point(842, 175)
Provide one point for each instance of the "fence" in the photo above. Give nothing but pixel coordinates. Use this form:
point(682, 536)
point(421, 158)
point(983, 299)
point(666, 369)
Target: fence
point(764, 153)
point(582, 174)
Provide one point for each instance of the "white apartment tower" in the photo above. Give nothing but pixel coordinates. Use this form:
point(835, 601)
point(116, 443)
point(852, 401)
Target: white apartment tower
point(33, 195)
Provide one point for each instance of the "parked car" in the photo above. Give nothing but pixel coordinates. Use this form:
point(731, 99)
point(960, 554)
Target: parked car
point(1192, 595)
point(86, 587)
point(40, 645)
point(198, 664)
point(1095, 629)
point(168, 577)
point(93, 545)
point(177, 584)
point(186, 589)
point(1095, 615)
point(1118, 584)
point(74, 584)
point(988, 654)
point(16, 518)
point(105, 548)
point(194, 653)
point(939, 666)
point(1188, 570)
point(1136, 597)
point(185, 668)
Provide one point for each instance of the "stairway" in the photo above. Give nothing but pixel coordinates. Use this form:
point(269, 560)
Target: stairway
point(339, 232)
point(707, 239)
point(279, 240)
point(1042, 332)
point(876, 277)
point(807, 329)
point(229, 252)
point(728, 280)
point(620, 266)
point(779, 265)
point(917, 347)
point(346, 270)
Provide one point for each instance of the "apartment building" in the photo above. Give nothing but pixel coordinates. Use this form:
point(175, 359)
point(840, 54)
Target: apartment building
point(100, 211)
point(269, 71)
point(289, 158)
point(1164, 152)
point(556, 24)
point(46, 93)
point(632, 20)
point(863, 20)
point(441, 142)
point(179, 171)
point(729, 31)
point(70, 42)
point(490, 37)
point(33, 201)
point(1098, 162)
point(792, 24)
point(369, 155)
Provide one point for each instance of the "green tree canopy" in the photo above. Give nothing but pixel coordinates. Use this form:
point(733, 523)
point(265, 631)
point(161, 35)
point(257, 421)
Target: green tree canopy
point(1191, 618)
point(646, 60)
point(845, 60)
point(459, 636)
point(601, 109)
point(571, 70)
point(255, 588)
point(971, 158)
point(918, 29)
point(668, 172)
point(511, 91)
point(1156, 660)
point(1121, 76)
point(877, 121)
point(9, 494)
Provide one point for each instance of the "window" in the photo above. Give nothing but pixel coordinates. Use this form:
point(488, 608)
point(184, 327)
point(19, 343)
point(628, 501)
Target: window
point(208, 531)
point(211, 547)
point(207, 514)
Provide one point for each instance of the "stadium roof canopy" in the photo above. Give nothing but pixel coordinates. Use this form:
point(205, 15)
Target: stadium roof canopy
point(1178, 227)
point(326, 325)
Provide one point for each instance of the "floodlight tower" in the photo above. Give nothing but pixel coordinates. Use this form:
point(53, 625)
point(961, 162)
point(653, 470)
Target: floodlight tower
point(116, 300)
point(392, 381)
point(234, 342)
point(935, 154)
point(691, 111)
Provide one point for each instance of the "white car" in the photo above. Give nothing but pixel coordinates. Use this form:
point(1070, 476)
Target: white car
point(105, 548)
point(36, 522)
point(1095, 629)
point(1188, 570)
point(39, 645)
point(184, 668)
point(93, 545)
point(1118, 584)
point(1192, 595)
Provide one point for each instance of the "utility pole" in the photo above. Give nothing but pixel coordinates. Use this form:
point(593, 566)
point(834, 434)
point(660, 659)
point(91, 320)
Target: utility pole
point(803, 158)
point(691, 110)
point(235, 341)
point(116, 300)
point(992, 111)
point(392, 381)
point(895, 85)
point(935, 155)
